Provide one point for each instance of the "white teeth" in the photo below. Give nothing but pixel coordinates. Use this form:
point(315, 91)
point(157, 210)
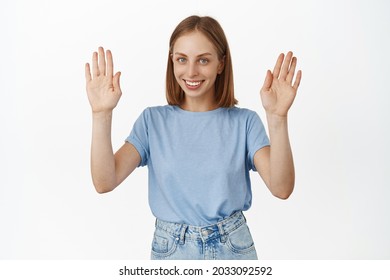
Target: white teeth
point(193, 84)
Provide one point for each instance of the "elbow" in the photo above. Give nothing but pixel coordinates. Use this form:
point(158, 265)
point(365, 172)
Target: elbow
point(102, 188)
point(283, 192)
point(282, 195)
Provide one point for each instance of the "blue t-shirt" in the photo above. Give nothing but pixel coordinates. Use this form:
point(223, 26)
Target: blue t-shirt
point(198, 162)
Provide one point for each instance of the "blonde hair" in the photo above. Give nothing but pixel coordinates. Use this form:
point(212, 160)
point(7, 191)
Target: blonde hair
point(224, 86)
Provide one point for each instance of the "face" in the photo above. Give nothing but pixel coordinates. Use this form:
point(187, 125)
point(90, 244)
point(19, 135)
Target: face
point(196, 65)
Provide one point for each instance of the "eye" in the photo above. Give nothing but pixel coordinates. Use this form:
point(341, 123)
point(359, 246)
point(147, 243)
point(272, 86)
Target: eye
point(203, 61)
point(181, 60)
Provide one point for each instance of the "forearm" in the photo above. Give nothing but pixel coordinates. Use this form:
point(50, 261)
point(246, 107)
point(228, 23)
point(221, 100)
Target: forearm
point(281, 166)
point(102, 156)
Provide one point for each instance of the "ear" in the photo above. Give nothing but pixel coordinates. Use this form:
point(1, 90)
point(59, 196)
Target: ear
point(221, 65)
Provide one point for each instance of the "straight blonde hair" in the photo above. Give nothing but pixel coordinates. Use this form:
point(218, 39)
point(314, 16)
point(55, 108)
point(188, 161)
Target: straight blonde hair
point(224, 86)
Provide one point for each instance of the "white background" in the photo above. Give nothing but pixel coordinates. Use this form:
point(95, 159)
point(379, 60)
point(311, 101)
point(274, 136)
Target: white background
point(339, 123)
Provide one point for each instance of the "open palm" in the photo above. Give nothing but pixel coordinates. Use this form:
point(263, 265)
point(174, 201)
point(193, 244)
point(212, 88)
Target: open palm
point(103, 88)
point(279, 91)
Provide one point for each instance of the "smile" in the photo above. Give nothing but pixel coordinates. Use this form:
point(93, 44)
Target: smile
point(193, 84)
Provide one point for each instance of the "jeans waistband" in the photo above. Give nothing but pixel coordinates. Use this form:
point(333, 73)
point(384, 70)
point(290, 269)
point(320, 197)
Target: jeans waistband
point(218, 230)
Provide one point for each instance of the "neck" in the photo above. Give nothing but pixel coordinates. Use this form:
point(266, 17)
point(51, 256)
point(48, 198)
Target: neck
point(199, 104)
point(195, 106)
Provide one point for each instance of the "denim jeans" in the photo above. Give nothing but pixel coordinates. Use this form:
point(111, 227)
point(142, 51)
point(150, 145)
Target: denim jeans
point(229, 239)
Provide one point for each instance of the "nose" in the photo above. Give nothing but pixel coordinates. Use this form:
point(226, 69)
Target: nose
point(192, 70)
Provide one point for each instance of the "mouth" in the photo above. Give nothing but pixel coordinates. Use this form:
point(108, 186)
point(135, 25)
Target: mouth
point(193, 84)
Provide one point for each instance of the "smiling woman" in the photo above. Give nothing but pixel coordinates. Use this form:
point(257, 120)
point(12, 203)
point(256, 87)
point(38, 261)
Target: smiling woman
point(211, 48)
point(200, 147)
point(196, 65)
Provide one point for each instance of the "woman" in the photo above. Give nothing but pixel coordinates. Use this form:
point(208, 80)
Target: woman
point(200, 147)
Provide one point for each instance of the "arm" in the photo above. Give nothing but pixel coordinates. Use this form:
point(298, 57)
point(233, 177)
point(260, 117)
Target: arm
point(103, 90)
point(275, 163)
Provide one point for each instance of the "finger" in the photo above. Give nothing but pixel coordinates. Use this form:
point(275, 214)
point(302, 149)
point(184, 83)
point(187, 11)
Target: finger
point(297, 80)
point(110, 64)
point(268, 81)
point(116, 81)
point(102, 61)
point(286, 65)
point(87, 72)
point(278, 65)
point(95, 69)
point(291, 71)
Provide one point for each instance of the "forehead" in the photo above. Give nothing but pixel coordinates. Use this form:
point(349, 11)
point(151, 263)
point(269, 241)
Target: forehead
point(193, 43)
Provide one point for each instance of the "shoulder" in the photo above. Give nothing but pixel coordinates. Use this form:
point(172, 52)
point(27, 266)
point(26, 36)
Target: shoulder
point(249, 118)
point(242, 113)
point(158, 111)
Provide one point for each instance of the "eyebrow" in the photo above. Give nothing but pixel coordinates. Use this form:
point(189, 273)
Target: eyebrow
point(203, 54)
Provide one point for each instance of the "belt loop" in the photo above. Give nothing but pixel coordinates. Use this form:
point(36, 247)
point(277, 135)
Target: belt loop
point(221, 233)
point(183, 233)
point(242, 214)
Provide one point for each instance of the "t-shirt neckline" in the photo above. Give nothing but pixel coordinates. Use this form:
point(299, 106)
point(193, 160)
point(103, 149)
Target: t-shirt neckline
point(211, 112)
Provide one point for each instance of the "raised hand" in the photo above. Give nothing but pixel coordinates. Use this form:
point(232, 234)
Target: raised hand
point(279, 91)
point(103, 88)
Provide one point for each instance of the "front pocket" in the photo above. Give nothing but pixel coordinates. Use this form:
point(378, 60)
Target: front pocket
point(160, 244)
point(240, 240)
point(164, 244)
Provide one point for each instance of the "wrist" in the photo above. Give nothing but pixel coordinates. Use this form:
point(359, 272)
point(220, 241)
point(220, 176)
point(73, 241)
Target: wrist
point(276, 121)
point(276, 117)
point(102, 115)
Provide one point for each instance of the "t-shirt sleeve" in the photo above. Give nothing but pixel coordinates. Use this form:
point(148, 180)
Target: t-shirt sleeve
point(139, 137)
point(256, 138)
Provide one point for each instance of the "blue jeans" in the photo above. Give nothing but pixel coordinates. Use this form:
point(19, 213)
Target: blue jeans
point(229, 239)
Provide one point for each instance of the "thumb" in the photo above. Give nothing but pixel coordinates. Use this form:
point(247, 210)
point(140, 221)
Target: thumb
point(116, 80)
point(268, 81)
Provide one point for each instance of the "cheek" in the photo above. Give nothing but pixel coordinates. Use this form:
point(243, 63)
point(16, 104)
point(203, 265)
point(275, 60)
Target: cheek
point(211, 73)
point(177, 71)
point(212, 69)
